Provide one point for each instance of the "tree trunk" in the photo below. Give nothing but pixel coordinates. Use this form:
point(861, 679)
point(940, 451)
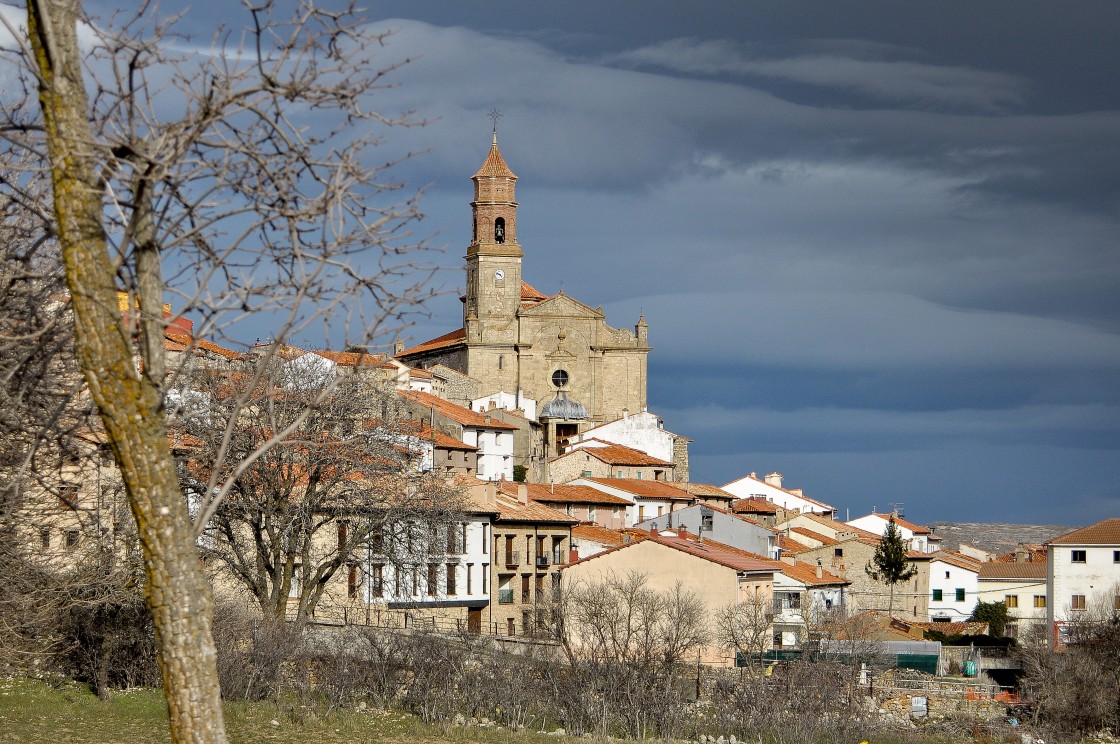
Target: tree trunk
point(130, 407)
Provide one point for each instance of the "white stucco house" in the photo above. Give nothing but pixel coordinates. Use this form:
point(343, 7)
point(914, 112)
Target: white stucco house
point(953, 587)
point(770, 488)
point(642, 431)
point(803, 594)
point(917, 538)
point(1082, 575)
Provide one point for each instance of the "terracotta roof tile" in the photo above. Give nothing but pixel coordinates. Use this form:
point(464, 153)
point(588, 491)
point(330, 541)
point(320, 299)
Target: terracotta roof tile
point(703, 490)
point(616, 454)
point(420, 430)
point(650, 489)
point(962, 628)
point(1105, 532)
point(454, 338)
point(595, 533)
point(550, 494)
point(512, 510)
point(495, 165)
point(822, 539)
point(754, 505)
point(529, 294)
point(351, 358)
point(458, 414)
point(1021, 570)
point(806, 573)
point(789, 545)
point(917, 529)
point(181, 342)
point(956, 559)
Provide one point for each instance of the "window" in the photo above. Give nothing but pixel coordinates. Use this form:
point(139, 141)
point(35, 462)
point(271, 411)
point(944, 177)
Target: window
point(1077, 556)
point(592, 513)
point(960, 595)
point(68, 495)
point(586, 473)
point(352, 582)
point(641, 514)
point(376, 580)
point(618, 474)
point(1116, 556)
point(433, 578)
point(560, 378)
point(72, 538)
point(1077, 602)
point(341, 537)
point(1040, 600)
point(485, 578)
point(451, 588)
point(1116, 602)
point(638, 474)
point(470, 577)
point(938, 595)
point(1011, 601)
point(45, 537)
point(946, 574)
point(838, 552)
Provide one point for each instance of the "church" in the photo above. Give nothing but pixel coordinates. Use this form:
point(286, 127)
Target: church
point(554, 355)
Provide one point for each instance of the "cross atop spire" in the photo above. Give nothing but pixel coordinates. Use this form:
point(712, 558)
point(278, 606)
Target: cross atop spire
point(494, 115)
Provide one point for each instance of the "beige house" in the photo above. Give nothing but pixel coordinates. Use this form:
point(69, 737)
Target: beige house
point(849, 557)
point(717, 575)
point(580, 502)
point(531, 544)
point(1021, 585)
point(596, 458)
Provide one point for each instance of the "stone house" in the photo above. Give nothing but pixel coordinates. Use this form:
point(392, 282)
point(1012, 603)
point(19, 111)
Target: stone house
point(595, 458)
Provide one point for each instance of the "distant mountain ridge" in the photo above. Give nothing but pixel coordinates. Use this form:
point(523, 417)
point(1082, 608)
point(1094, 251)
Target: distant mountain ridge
point(997, 537)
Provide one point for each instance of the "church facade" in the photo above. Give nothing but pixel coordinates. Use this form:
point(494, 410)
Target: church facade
point(549, 348)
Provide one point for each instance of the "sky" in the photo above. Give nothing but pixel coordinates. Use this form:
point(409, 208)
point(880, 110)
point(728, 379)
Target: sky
point(876, 243)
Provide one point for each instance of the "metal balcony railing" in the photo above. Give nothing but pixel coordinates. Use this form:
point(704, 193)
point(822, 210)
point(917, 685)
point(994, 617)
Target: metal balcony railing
point(505, 596)
point(512, 558)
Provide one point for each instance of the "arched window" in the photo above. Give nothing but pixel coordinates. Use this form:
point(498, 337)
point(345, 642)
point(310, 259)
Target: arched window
point(500, 230)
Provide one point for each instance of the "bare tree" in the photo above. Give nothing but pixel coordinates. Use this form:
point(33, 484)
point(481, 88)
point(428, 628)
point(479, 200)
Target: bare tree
point(332, 496)
point(202, 180)
point(745, 626)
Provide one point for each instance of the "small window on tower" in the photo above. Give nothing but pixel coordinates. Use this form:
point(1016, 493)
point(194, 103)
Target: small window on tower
point(500, 230)
point(560, 378)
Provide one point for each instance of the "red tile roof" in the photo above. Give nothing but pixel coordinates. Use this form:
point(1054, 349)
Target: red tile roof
point(649, 489)
point(956, 559)
point(1022, 570)
point(550, 494)
point(512, 510)
point(529, 294)
point(454, 338)
point(950, 629)
point(1105, 532)
point(458, 414)
point(420, 430)
point(495, 165)
point(351, 358)
point(722, 555)
point(616, 454)
point(822, 539)
point(806, 573)
point(917, 529)
point(1034, 554)
point(181, 342)
point(594, 533)
point(789, 545)
point(703, 490)
point(754, 505)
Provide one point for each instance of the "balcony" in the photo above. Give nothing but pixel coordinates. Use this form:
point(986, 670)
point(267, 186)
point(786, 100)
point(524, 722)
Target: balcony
point(542, 561)
point(513, 558)
point(505, 596)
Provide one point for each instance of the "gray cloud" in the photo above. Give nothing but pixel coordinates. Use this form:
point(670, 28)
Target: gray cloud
point(915, 83)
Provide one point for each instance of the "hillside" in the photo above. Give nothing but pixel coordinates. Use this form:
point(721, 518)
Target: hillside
point(997, 537)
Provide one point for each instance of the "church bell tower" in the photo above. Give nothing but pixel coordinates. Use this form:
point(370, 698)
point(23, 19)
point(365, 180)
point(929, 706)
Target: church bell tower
point(493, 258)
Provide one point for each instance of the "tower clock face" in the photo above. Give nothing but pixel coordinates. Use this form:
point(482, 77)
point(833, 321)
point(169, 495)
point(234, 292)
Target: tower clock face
point(499, 275)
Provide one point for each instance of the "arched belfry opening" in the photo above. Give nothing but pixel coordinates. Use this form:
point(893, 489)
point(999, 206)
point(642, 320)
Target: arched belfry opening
point(500, 230)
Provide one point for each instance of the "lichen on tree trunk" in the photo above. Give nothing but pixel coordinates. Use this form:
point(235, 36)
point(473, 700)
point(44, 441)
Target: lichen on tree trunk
point(129, 404)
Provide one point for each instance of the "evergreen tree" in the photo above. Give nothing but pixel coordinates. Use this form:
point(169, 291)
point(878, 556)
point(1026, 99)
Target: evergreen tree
point(995, 614)
point(890, 564)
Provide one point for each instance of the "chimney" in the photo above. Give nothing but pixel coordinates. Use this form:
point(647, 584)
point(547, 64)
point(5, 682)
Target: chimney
point(522, 493)
point(774, 479)
point(820, 569)
point(1021, 554)
point(789, 560)
point(653, 530)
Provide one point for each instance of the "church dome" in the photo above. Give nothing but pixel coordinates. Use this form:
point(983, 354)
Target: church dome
point(562, 407)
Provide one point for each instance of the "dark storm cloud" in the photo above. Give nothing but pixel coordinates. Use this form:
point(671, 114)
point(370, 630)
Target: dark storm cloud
point(876, 243)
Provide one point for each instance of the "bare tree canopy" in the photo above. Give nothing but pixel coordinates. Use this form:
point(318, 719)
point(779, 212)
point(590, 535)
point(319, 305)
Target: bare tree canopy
point(212, 184)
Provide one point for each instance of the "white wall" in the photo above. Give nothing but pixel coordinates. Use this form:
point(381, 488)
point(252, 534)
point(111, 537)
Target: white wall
point(641, 431)
point(949, 578)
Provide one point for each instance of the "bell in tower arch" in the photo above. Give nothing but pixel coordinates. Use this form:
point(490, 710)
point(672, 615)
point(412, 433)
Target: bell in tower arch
point(500, 230)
